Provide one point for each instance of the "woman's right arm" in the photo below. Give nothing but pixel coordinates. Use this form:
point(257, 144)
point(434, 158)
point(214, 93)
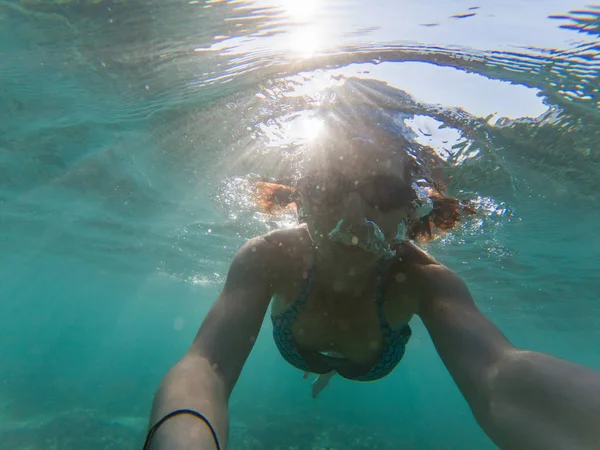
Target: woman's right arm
point(204, 378)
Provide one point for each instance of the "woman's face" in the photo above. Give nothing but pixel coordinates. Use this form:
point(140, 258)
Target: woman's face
point(357, 186)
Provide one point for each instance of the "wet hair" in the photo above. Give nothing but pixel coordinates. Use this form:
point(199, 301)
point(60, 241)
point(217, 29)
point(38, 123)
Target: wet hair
point(273, 198)
point(447, 212)
point(445, 215)
point(417, 163)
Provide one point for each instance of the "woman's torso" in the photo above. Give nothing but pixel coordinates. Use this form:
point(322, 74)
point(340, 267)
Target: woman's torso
point(344, 321)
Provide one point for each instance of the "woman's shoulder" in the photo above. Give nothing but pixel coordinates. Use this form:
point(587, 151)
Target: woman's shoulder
point(285, 254)
point(289, 239)
point(281, 246)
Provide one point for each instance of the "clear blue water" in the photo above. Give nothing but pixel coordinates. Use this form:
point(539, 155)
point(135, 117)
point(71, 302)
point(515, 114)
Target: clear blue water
point(128, 130)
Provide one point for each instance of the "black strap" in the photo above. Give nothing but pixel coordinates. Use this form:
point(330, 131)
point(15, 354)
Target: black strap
point(152, 430)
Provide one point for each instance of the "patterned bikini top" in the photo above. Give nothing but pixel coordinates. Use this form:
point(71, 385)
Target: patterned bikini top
point(394, 341)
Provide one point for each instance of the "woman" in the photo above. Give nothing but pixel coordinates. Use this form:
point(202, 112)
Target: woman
point(344, 286)
point(358, 199)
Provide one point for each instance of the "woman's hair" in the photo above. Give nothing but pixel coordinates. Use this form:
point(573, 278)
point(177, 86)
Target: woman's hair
point(276, 198)
point(447, 212)
point(273, 198)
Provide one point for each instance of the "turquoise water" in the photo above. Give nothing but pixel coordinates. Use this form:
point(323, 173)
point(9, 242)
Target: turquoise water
point(127, 133)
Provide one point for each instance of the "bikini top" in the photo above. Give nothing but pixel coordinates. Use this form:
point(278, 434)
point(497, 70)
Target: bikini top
point(394, 341)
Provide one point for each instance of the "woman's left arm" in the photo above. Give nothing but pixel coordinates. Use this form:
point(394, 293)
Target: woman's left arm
point(521, 399)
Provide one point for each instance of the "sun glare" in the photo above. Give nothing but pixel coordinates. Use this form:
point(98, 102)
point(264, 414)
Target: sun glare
point(311, 128)
point(300, 9)
point(304, 41)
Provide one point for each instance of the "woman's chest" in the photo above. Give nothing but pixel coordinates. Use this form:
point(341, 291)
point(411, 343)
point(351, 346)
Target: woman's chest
point(347, 324)
point(352, 330)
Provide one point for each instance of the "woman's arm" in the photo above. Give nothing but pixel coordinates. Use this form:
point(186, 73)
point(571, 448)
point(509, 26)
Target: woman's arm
point(204, 378)
point(521, 399)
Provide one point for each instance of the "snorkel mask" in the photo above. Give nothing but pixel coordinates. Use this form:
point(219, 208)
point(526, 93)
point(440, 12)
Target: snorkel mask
point(368, 235)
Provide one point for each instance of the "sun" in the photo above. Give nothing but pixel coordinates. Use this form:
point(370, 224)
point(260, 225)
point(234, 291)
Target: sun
point(300, 9)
